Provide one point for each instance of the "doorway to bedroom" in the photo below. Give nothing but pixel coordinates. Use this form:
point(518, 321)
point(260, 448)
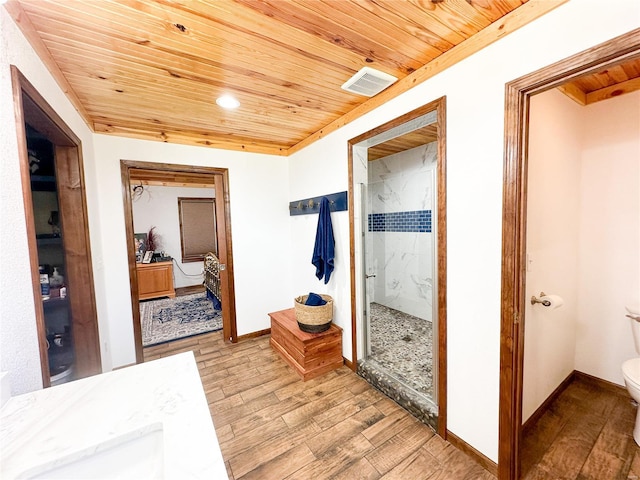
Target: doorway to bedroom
point(180, 264)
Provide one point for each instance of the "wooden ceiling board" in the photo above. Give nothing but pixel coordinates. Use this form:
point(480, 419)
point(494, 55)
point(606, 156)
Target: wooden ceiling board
point(293, 110)
point(406, 16)
point(248, 20)
point(367, 46)
point(609, 77)
point(180, 64)
point(153, 68)
point(613, 82)
point(142, 174)
point(409, 140)
point(358, 19)
point(178, 57)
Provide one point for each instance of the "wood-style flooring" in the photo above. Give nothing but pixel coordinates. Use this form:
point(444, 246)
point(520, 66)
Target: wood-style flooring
point(273, 426)
point(586, 433)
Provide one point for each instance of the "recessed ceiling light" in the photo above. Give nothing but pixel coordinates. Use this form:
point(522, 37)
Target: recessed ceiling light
point(227, 101)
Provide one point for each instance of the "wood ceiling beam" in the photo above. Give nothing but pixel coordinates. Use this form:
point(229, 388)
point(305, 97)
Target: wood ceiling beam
point(511, 22)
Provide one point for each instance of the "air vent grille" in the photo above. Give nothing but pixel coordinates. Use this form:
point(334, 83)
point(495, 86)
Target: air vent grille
point(369, 82)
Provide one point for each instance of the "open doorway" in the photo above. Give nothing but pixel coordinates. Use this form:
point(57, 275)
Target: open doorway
point(514, 260)
point(58, 235)
point(398, 260)
point(150, 278)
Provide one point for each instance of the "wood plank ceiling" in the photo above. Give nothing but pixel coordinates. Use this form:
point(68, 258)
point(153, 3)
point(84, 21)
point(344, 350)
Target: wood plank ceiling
point(153, 68)
point(613, 82)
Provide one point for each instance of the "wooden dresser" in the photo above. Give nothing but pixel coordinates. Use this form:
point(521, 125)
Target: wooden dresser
point(310, 354)
point(155, 280)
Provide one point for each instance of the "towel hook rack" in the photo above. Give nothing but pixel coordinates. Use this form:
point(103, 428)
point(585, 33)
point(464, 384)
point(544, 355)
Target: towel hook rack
point(337, 203)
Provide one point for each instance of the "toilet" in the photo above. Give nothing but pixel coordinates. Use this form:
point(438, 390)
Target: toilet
point(631, 368)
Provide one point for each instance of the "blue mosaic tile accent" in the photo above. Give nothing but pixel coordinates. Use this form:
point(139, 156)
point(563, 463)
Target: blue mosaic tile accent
point(412, 221)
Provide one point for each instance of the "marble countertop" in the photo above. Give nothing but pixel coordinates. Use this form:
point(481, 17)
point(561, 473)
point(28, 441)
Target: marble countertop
point(67, 424)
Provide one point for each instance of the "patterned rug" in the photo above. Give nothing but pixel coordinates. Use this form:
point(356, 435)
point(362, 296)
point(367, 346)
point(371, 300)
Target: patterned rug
point(169, 319)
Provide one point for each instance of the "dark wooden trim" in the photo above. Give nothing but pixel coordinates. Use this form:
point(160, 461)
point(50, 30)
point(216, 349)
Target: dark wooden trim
point(17, 81)
point(259, 333)
point(31, 107)
point(517, 95)
point(225, 255)
point(486, 462)
point(535, 416)
point(137, 169)
point(350, 364)
point(439, 106)
point(78, 265)
point(442, 266)
point(353, 364)
point(125, 179)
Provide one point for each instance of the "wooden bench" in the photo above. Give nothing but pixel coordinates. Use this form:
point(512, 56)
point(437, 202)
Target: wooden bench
point(309, 354)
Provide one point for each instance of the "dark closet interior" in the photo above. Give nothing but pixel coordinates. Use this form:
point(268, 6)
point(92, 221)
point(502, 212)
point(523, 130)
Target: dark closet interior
point(51, 256)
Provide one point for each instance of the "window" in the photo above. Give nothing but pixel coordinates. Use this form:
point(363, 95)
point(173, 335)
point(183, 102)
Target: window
point(197, 228)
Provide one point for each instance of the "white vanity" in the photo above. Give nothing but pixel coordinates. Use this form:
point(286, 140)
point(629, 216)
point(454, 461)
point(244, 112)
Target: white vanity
point(149, 421)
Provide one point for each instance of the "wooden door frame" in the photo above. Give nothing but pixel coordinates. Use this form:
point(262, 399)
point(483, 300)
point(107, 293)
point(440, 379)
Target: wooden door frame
point(439, 106)
point(514, 219)
point(74, 218)
point(223, 230)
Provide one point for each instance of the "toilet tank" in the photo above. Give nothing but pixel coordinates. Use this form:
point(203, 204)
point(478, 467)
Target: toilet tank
point(634, 318)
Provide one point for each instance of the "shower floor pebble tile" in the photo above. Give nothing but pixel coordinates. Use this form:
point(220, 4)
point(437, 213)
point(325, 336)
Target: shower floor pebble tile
point(403, 345)
point(400, 364)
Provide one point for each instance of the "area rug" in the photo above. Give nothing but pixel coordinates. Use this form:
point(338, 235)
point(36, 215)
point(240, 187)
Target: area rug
point(169, 319)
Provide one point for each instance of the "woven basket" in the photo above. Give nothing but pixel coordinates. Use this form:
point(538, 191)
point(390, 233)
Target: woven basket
point(314, 319)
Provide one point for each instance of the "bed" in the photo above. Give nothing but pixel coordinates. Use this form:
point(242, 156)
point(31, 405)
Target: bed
point(212, 279)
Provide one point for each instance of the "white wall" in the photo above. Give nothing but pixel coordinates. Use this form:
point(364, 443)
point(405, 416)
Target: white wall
point(259, 227)
point(158, 207)
point(475, 139)
point(19, 353)
point(609, 236)
point(553, 214)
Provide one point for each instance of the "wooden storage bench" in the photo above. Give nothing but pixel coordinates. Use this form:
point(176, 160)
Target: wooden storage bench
point(310, 354)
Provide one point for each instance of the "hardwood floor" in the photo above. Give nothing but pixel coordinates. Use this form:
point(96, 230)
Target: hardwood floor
point(273, 426)
point(585, 434)
point(182, 291)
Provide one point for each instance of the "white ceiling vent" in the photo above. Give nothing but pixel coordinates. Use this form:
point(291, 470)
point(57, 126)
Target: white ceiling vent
point(369, 82)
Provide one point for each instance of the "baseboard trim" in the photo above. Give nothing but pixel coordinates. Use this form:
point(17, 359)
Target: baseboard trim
point(535, 416)
point(259, 333)
point(604, 384)
point(484, 461)
point(349, 364)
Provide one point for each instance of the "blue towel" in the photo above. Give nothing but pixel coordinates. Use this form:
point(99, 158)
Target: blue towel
point(324, 249)
point(315, 300)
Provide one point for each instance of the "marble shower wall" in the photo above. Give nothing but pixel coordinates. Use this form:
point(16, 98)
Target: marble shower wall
point(401, 255)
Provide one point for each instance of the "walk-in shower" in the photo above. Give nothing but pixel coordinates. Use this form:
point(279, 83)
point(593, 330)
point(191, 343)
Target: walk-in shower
point(395, 219)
